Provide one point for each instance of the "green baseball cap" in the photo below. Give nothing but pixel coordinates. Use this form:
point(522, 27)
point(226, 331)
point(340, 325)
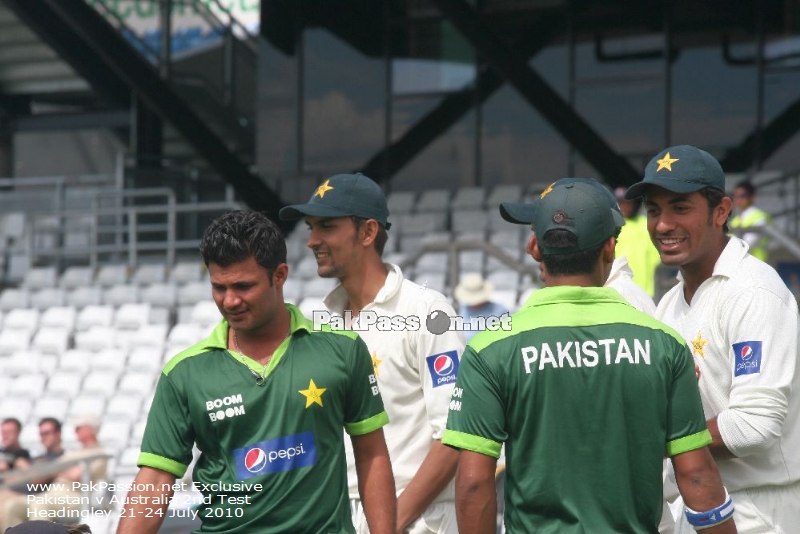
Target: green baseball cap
point(524, 213)
point(343, 195)
point(680, 169)
point(578, 207)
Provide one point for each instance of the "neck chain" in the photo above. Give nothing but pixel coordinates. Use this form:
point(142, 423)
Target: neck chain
point(260, 378)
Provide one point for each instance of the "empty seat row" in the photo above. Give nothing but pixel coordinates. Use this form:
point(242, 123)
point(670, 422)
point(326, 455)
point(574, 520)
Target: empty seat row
point(111, 275)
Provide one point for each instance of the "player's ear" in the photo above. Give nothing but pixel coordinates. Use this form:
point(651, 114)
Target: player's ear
point(533, 248)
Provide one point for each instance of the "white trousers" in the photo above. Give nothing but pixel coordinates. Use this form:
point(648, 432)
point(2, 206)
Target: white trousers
point(438, 518)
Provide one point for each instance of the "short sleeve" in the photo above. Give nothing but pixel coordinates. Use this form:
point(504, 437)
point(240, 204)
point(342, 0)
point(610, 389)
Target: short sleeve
point(476, 419)
point(686, 424)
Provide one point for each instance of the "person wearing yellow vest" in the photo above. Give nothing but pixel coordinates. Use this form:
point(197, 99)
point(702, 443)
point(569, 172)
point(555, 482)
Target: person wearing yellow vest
point(749, 216)
point(634, 243)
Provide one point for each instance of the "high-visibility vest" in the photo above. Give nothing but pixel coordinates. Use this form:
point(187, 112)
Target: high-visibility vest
point(755, 218)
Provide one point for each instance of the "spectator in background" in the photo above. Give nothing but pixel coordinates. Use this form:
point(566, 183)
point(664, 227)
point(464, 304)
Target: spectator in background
point(48, 527)
point(16, 498)
point(749, 216)
point(634, 244)
point(12, 455)
point(474, 296)
point(62, 495)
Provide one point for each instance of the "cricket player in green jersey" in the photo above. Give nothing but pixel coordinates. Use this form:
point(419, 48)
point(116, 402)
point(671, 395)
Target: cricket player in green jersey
point(587, 393)
point(265, 398)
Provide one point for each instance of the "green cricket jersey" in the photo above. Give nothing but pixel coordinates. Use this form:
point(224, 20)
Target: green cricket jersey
point(587, 394)
point(276, 451)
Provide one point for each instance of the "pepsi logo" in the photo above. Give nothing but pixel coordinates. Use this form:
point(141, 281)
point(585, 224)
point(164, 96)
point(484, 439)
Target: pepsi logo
point(255, 460)
point(747, 352)
point(443, 365)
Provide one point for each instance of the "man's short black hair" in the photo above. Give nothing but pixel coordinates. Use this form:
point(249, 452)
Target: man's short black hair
point(15, 421)
point(714, 197)
point(238, 235)
point(582, 262)
point(380, 239)
point(53, 421)
point(748, 187)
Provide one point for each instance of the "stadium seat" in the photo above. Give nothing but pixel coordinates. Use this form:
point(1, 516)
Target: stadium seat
point(22, 319)
point(131, 316)
point(504, 279)
point(191, 293)
point(468, 198)
point(111, 359)
point(471, 261)
point(12, 341)
point(87, 404)
point(102, 383)
point(423, 223)
point(94, 315)
point(50, 407)
point(319, 287)
point(96, 338)
point(65, 384)
point(51, 340)
point(19, 407)
point(400, 202)
point(59, 317)
point(40, 278)
point(80, 297)
point(127, 462)
point(470, 222)
point(149, 335)
point(434, 200)
point(76, 276)
point(29, 385)
point(184, 335)
point(150, 273)
point(112, 275)
point(126, 407)
point(184, 272)
point(145, 359)
point(206, 314)
point(74, 360)
point(162, 295)
point(12, 298)
point(503, 193)
point(432, 262)
point(48, 297)
point(141, 384)
point(120, 294)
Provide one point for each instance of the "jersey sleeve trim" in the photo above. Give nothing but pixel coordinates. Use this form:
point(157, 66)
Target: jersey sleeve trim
point(688, 443)
point(367, 425)
point(461, 440)
point(155, 461)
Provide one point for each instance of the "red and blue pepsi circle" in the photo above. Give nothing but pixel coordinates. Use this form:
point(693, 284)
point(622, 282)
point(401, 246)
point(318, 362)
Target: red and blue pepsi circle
point(443, 367)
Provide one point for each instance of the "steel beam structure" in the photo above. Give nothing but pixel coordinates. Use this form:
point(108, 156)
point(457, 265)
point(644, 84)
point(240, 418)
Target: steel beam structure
point(513, 66)
point(98, 52)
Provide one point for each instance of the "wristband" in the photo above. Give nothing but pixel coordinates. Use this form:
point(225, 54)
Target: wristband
point(713, 517)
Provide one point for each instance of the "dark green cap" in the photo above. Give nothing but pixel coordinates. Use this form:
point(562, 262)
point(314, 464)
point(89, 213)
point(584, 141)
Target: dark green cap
point(580, 208)
point(524, 213)
point(680, 169)
point(343, 195)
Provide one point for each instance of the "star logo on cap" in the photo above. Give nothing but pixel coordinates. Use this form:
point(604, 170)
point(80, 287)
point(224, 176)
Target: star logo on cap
point(698, 345)
point(325, 187)
point(666, 162)
point(546, 191)
point(313, 394)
